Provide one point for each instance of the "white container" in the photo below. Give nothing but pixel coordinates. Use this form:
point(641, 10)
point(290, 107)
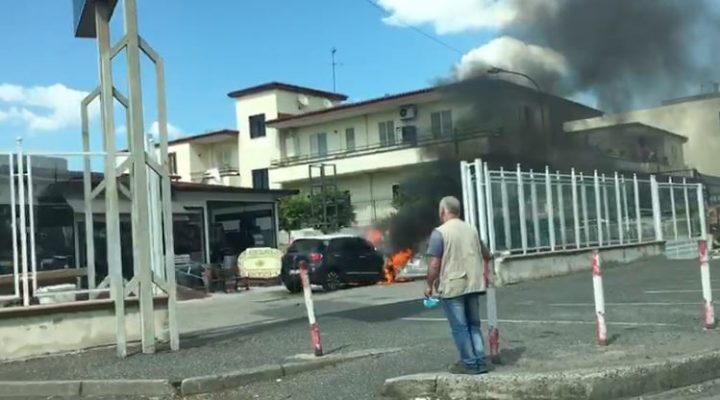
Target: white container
point(56, 294)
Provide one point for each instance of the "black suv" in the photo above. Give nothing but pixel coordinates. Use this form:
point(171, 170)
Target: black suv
point(332, 262)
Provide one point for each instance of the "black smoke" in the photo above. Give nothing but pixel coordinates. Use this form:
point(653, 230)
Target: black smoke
point(628, 53)
point(420, 196)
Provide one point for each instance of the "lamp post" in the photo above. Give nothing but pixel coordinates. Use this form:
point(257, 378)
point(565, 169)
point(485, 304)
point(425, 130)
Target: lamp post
point(498, 71)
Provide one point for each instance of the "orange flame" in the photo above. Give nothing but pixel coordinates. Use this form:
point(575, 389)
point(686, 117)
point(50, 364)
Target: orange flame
point(396, 263)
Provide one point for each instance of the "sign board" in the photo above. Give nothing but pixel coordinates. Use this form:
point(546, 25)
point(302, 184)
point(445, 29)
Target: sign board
point(84, 16)
point(260, 263)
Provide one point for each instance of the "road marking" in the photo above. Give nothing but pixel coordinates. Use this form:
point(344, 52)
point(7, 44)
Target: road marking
point(557, 322)
point(676, 291)
point(623, 304)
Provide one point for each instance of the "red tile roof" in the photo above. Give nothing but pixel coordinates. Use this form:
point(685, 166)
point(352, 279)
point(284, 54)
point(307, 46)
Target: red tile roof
point(288, 88)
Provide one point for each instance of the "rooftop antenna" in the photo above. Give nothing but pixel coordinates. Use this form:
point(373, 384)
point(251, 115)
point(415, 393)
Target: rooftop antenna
point(334, 64)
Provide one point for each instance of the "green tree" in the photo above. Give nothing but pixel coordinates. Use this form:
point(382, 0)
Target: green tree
point(296, 212)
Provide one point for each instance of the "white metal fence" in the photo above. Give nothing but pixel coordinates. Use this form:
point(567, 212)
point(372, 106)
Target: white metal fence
point(524, 211)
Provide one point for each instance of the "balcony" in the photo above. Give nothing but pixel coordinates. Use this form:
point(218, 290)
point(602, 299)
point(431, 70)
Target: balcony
point(412, 151)
point(226, 175)
point(406, 140)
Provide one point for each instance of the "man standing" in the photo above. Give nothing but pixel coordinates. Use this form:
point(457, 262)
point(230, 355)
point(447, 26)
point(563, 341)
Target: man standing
point(455, 270)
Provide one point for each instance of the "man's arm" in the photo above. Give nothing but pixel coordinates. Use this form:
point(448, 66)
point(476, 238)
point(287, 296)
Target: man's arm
point(486, 255)
point(433, 272)
point(434, 253)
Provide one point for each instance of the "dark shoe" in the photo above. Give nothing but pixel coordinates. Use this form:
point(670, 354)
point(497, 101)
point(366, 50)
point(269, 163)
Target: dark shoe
point(461, 369)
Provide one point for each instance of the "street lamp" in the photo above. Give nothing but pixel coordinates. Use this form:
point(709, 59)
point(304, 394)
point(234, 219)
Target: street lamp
point(498, 71)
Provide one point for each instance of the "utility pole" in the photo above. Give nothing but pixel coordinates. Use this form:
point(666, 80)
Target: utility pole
point(334, 64)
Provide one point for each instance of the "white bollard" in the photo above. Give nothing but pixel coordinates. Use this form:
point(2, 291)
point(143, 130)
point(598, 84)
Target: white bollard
point(307, 292)
point(708, 309)
point(493, 331)
point(601, 329)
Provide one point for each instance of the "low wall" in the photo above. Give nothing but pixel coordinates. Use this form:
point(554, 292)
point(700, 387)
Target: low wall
point(60, 328)
point(520, 268)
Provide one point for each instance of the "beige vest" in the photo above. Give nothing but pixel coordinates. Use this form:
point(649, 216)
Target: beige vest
point(461, 269)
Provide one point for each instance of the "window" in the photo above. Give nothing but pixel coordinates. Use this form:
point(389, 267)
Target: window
point(306, 246)
point(257, 126)
point(395, 192)
point(350, 139)
point(223, 158)
point(172, 163)
point(387, 133)
point(441, 124)
point(526, 116)
point(318, 144)
point(260, 179)
point(362, 245)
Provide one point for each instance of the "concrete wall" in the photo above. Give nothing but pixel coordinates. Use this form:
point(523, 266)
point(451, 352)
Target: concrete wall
point(515, 269)
point(258, 153)
point(367, 132)
point(255, 153)
point(184, 160)
point(36, 334)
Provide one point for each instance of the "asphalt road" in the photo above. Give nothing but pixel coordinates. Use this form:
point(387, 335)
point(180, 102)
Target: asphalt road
point(653, 311)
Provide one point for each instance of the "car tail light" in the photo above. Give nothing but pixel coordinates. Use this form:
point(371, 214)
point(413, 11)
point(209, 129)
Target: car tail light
point(315, 257)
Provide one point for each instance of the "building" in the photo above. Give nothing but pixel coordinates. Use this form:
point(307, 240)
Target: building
point(259, 143)
point(210, 157)
point(695, 118)
point(286, 134)
point(209, 221)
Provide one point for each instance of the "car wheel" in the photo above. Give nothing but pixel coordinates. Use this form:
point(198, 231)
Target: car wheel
point(293, 285)
point(333, 281)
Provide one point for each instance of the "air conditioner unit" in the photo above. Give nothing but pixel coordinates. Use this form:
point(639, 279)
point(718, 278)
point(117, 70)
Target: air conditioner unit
point(408, 112)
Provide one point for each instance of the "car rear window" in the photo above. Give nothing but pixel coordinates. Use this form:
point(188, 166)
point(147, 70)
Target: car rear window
point(306, 246)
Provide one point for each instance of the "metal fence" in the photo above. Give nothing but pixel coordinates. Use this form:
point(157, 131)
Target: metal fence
point(523, 212)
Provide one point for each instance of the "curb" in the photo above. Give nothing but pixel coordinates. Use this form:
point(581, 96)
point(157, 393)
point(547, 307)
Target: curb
point(214, 383)
point(188, 386)
point(135, 387)
point(597, 384)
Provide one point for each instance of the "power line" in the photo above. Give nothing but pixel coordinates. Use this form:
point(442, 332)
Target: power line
point(420, 31)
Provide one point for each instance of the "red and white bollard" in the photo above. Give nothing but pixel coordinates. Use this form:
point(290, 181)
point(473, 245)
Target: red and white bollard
point(493, 331)
point(307, 292)
point(708, 309)
point(601, 329)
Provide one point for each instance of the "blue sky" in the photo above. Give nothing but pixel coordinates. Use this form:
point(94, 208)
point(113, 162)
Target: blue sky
point(210, 48)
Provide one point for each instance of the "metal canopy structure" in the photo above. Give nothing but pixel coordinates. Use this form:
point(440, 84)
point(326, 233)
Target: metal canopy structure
point(149, 189)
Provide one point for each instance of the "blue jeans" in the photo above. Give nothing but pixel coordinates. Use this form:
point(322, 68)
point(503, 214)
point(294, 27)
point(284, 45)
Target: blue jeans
point(463, 313)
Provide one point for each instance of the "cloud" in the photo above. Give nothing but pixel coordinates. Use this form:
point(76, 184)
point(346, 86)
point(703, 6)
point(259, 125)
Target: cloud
point(451, 16)
point(42, 108)
point(173, 131)
point(506, 52)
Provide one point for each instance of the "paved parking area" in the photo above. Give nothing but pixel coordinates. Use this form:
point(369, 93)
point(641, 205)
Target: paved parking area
point(653, 311)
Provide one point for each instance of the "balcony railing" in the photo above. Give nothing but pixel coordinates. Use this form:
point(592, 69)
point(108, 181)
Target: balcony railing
point(404, 142)
point(199, 176)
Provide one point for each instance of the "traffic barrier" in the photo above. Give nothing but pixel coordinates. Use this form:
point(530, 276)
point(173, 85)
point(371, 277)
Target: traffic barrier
point(601, 329)
point(307, 292)
point(493, 331)
point(708, 309)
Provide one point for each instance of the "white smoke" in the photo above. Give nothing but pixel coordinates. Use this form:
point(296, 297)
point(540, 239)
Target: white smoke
point(515, 55)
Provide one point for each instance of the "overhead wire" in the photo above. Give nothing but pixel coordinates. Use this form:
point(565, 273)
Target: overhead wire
point(420, 31)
